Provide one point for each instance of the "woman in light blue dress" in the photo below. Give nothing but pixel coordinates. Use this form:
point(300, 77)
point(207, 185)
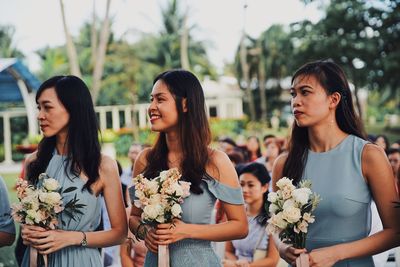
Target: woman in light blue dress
point(70, 153)
point(329, 148)
point(177, 112)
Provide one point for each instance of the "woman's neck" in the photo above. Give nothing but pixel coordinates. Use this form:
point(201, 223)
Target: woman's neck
point(61, 145)
point(254, 208)
point(174, 149)
point(324, 137)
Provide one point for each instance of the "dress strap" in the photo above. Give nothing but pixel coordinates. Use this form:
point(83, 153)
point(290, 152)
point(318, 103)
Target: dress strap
point(225, 193)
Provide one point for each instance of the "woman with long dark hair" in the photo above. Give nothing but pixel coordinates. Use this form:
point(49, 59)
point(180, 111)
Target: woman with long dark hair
point(177, 112)
point(328, 146)
point(70, 153)
point(258, 248)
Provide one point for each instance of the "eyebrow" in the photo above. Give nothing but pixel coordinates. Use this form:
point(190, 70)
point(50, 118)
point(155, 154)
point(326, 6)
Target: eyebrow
point(44, 102)
point(301, 87)
point(158, 94)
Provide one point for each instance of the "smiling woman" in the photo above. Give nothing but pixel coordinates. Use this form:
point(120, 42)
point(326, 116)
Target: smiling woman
point(177, 112)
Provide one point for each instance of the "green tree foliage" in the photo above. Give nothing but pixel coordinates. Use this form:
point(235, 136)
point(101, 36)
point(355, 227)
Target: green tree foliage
point(7, 48)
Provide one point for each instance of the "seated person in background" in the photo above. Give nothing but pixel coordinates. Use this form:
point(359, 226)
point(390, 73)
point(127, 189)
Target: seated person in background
point(258, 248)
point(7, 228)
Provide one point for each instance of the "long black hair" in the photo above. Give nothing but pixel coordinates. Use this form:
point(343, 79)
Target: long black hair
point(259, 171)
point(332, 79)
point(83, 147)
point(193, 127)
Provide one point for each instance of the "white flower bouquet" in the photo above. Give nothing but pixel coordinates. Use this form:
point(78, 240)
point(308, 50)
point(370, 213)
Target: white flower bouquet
point(40, 205)
point(290, 210)
point(160, 200)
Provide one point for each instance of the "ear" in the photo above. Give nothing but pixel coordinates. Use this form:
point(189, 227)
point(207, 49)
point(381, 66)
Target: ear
point(264, 188)
point(335, 99)
point(184, 104)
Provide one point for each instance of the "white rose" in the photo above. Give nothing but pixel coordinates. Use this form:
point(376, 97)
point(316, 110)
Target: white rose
point(291, 214)
point(139, 194)
point(151, 212)
point(176, 210)
point(152, 187)
point(301, 227)
point(273, 208)
point(286, 193)
point(160, 219)
point(50, 184)
point(155, 199)
point(284, 182)
point(308, 217)
point(176, 187)
point(272, 229)
point(272, 197)
point(289, 203)
point(278, 221)
point(163, 175)
point(34, 216)
point(301, 195)
point(51, 198)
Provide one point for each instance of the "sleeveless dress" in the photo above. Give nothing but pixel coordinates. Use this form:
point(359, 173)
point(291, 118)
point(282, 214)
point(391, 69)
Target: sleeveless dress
point(197, 209)
point(86, 222)
point(256, 239)
point(344, 213)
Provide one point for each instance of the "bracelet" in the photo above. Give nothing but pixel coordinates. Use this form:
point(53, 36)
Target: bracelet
point(141, 231)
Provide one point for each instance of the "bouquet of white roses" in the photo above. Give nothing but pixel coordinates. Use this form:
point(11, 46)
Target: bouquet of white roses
point(40, 205)
point(290, 210)
point(160, 200)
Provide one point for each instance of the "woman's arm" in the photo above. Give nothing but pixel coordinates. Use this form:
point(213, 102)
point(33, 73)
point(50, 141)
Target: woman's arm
point(378, 174)
point(272, 257)
point(230, 251)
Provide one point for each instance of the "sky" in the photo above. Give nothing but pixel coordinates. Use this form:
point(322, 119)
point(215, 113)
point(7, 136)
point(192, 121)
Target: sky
point(219, 23)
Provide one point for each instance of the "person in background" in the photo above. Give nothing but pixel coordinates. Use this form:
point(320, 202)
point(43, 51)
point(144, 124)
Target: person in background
point(382, 141)
point(393, 155)
point(227, 145)
point(395, 144)
point(7, 227)
point(258, 248)
point(133, 152)
point(253, 148)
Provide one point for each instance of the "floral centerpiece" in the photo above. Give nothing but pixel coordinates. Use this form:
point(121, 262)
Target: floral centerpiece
point(160, 200)
point(40, 205)
point(290, 210)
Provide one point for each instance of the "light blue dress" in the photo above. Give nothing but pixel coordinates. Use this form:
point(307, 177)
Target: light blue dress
point(344, 213)
point(256, 239)
point(197, 209)
point(86, 222)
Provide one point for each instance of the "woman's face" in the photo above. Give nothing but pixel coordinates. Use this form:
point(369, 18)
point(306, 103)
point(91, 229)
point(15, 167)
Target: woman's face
point(53, 117)
point(252, 188)
point(380, 141)
point(310, 103)
point(272, 150)
point(252, 144)
point(162, 110)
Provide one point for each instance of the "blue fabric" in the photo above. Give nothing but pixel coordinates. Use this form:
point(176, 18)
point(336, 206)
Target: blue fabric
point(344, 213)
point(86, 222)
point(197, 209)
point(6, 221)
point(244, 248)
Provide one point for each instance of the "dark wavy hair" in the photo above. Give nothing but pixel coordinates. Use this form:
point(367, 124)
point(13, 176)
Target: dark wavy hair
point(83, 147)
point(194, 130)
point(332, 79)
point(259, 171)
